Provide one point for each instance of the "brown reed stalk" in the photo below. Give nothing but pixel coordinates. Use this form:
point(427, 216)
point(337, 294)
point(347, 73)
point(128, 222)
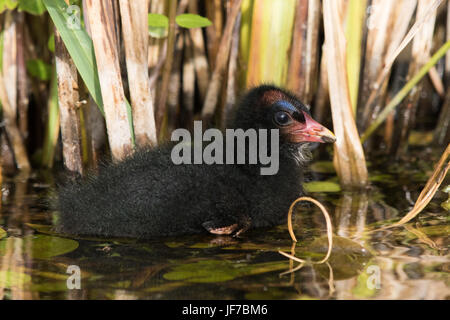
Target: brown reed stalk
point(200, 61)
point(188, 83)
point(442, 130)
point(231, 90)
point(22, 78)
point(167, 70)
point(421, 51)
point(382, 48)
point(14, 136)
point(214, 87)
point(68, 98)
point(213, 32)
point(296, 73)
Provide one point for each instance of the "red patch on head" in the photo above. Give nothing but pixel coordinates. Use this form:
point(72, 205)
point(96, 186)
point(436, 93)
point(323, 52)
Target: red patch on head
point(272, 96)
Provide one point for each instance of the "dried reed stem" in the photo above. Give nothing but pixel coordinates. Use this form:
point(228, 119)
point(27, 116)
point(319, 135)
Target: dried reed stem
point(13, 132)
point(428, 191)
point(68, 97)
point(395, 48)
point(329, 229)
point(348, 156)
point(405, 90)
point(167, 69)
point(135, 37)
point(199, 51)
point(101, 20)
point(10, 58)
point(421, 48)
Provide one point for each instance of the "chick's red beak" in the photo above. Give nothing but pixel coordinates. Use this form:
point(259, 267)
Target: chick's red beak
point(310, 131)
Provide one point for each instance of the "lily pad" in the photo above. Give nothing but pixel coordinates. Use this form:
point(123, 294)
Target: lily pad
point(43, 246)
point(212, 271)
point(42, 228)
point(52, 286)
point(322, 186)
point(347, 259)
point(10, 279)
point(362, 290)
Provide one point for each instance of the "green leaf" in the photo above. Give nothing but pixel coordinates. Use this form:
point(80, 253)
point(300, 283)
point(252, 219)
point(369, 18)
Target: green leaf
point(158, 25)
point(80, 47)
point(158, 20)
point(2, 233)
point(189, 20)
point(51, 43)
point(35, 7)
point(39, 69)
point(322, 186)
point(10, 279)
point(8, 5)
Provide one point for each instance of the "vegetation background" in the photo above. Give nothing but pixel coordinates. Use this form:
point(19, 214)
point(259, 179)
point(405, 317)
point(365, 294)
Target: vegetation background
point(82, 78)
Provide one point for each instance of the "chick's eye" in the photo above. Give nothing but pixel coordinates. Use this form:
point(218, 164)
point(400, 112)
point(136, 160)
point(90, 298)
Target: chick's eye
point(282, 118)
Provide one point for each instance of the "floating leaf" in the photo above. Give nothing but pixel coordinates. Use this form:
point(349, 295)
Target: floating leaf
point(35, 7)
point(10, 279)
point(8, 5)
point(189, 20)
point(173, 244)
point(53, 286)
point(211, 271)
point(203, 272)
point(362, 290)
point(322, 186)
point(39, 69)
point(43, 246)
point(271, 294)
point(42, 228)
point(2, 233)
point(158, 25)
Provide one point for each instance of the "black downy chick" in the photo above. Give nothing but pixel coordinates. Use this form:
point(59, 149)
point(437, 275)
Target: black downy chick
point(147, 195)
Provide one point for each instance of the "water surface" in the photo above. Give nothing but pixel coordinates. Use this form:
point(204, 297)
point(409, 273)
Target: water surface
point(408, 262)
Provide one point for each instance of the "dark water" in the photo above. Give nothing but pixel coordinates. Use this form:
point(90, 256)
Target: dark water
point(408, 262)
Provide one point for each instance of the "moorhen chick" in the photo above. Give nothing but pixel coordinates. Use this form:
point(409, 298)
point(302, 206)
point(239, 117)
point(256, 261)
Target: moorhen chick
point(147, 195)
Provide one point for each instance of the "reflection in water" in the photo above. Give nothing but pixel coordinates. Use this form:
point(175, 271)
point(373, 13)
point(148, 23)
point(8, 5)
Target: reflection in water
point(410, 262)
